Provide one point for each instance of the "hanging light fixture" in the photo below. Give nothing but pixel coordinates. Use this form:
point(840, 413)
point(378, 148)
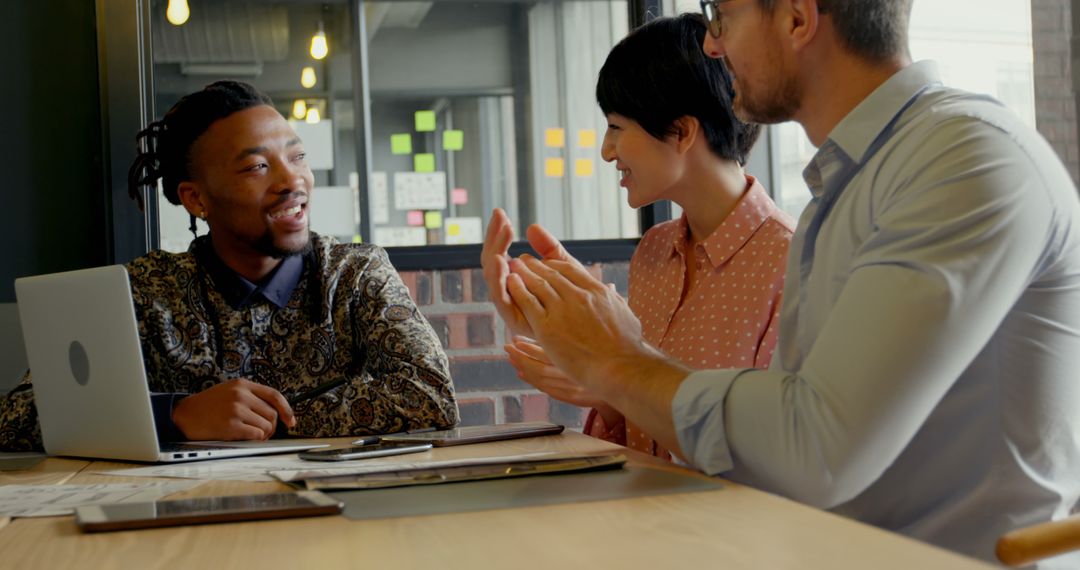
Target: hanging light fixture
point(299, 109)
point(319, 47)
point(312, 115)
point(177, 12)
point(307, 77)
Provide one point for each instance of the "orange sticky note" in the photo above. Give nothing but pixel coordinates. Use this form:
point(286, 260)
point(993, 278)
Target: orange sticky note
point(583, 167)
point(586, 138)
point(555, 138)
point(554, 168)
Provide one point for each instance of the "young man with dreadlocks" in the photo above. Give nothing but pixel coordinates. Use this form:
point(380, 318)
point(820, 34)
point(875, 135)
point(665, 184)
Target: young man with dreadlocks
point(262, 309)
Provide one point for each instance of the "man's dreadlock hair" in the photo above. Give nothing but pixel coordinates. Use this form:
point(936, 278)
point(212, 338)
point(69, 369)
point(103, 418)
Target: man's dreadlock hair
point(164, 147)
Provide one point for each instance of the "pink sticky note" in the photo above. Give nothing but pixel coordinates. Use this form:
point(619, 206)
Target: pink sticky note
point(459, 196)
point(414, 218)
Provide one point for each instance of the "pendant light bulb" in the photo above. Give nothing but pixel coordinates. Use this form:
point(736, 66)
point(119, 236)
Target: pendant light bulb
point(307, 77)
point(177, 12)
point(299, 109)
point(312, 115)
point(319, 47)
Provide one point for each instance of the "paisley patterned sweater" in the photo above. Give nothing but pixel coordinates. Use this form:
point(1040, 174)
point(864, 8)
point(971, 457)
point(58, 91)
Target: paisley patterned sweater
point(349, 322)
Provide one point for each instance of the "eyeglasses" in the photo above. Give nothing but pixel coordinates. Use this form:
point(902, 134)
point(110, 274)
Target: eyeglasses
point(710, 9)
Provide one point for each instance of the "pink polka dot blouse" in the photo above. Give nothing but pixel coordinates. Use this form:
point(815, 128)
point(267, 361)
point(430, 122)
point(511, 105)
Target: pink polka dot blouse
point(729, 314)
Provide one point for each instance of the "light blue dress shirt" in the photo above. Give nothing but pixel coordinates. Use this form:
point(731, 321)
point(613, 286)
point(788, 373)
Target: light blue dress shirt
point(927, 378)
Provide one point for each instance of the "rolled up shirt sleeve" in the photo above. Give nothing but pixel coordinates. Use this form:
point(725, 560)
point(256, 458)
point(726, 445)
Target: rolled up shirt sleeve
point(698, 409)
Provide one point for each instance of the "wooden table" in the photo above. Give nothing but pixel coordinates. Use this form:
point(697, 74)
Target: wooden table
point(734, 527)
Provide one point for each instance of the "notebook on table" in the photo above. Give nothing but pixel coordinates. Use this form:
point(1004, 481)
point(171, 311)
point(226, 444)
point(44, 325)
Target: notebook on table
point(90, 387)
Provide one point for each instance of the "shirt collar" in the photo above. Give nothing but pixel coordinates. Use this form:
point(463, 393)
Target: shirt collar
point(853, 139)
point(753, 209)
point(276, 288)
point(856, 132)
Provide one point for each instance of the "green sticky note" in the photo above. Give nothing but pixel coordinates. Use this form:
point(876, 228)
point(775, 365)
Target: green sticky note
point(424, 162)
point(453, 140)
point(432, 220)
point(425, 121)
point(401, 143)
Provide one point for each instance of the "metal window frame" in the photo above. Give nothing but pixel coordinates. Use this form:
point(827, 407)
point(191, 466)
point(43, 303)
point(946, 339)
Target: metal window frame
point(126, 85)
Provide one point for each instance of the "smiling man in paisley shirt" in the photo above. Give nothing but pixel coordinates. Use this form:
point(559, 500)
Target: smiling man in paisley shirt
point(262, 312)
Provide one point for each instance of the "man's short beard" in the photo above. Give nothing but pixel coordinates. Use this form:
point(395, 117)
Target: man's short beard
point(266, 246)
point(774, 106)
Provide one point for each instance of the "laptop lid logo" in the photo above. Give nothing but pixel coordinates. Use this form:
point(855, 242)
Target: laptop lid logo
point(80, 363)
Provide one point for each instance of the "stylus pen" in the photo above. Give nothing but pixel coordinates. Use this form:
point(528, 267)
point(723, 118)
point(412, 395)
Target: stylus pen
point(315, 392)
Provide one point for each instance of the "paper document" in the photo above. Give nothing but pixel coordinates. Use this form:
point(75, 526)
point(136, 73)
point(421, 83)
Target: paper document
point(237, 469)
point(59, 500)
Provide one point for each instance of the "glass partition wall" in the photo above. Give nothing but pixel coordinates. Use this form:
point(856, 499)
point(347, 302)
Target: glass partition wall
point(418, 117)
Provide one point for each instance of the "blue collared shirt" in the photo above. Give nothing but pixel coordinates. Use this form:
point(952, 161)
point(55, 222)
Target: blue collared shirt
point(926, 378)
point(238, 292)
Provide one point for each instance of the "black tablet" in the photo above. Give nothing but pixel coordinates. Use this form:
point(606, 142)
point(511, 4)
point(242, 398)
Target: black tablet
point(479, 434)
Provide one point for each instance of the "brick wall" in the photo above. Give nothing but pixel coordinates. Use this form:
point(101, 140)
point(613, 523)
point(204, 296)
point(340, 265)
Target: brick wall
point(1055, 106)
point(457, 304)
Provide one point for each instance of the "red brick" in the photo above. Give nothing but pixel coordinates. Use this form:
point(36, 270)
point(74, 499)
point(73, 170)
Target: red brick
point(480, 330)
point(458, 327)
point(535, 407)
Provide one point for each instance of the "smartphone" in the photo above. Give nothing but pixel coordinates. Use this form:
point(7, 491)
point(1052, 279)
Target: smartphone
point(99, 518)
point(379, 449)
point(478, 434)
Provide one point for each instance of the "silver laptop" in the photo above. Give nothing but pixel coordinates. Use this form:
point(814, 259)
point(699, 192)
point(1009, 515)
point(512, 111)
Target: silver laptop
point(90, 385)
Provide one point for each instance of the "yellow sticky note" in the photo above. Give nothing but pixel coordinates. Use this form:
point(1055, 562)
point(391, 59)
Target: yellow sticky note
point(425, 121)
point(453, 230)
point(401, 143)
point(424, 162)
point(586, 138)
point(583, 167)
point(555, 138)
point(453, 140)
point(554, 168)
point(432, 220)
